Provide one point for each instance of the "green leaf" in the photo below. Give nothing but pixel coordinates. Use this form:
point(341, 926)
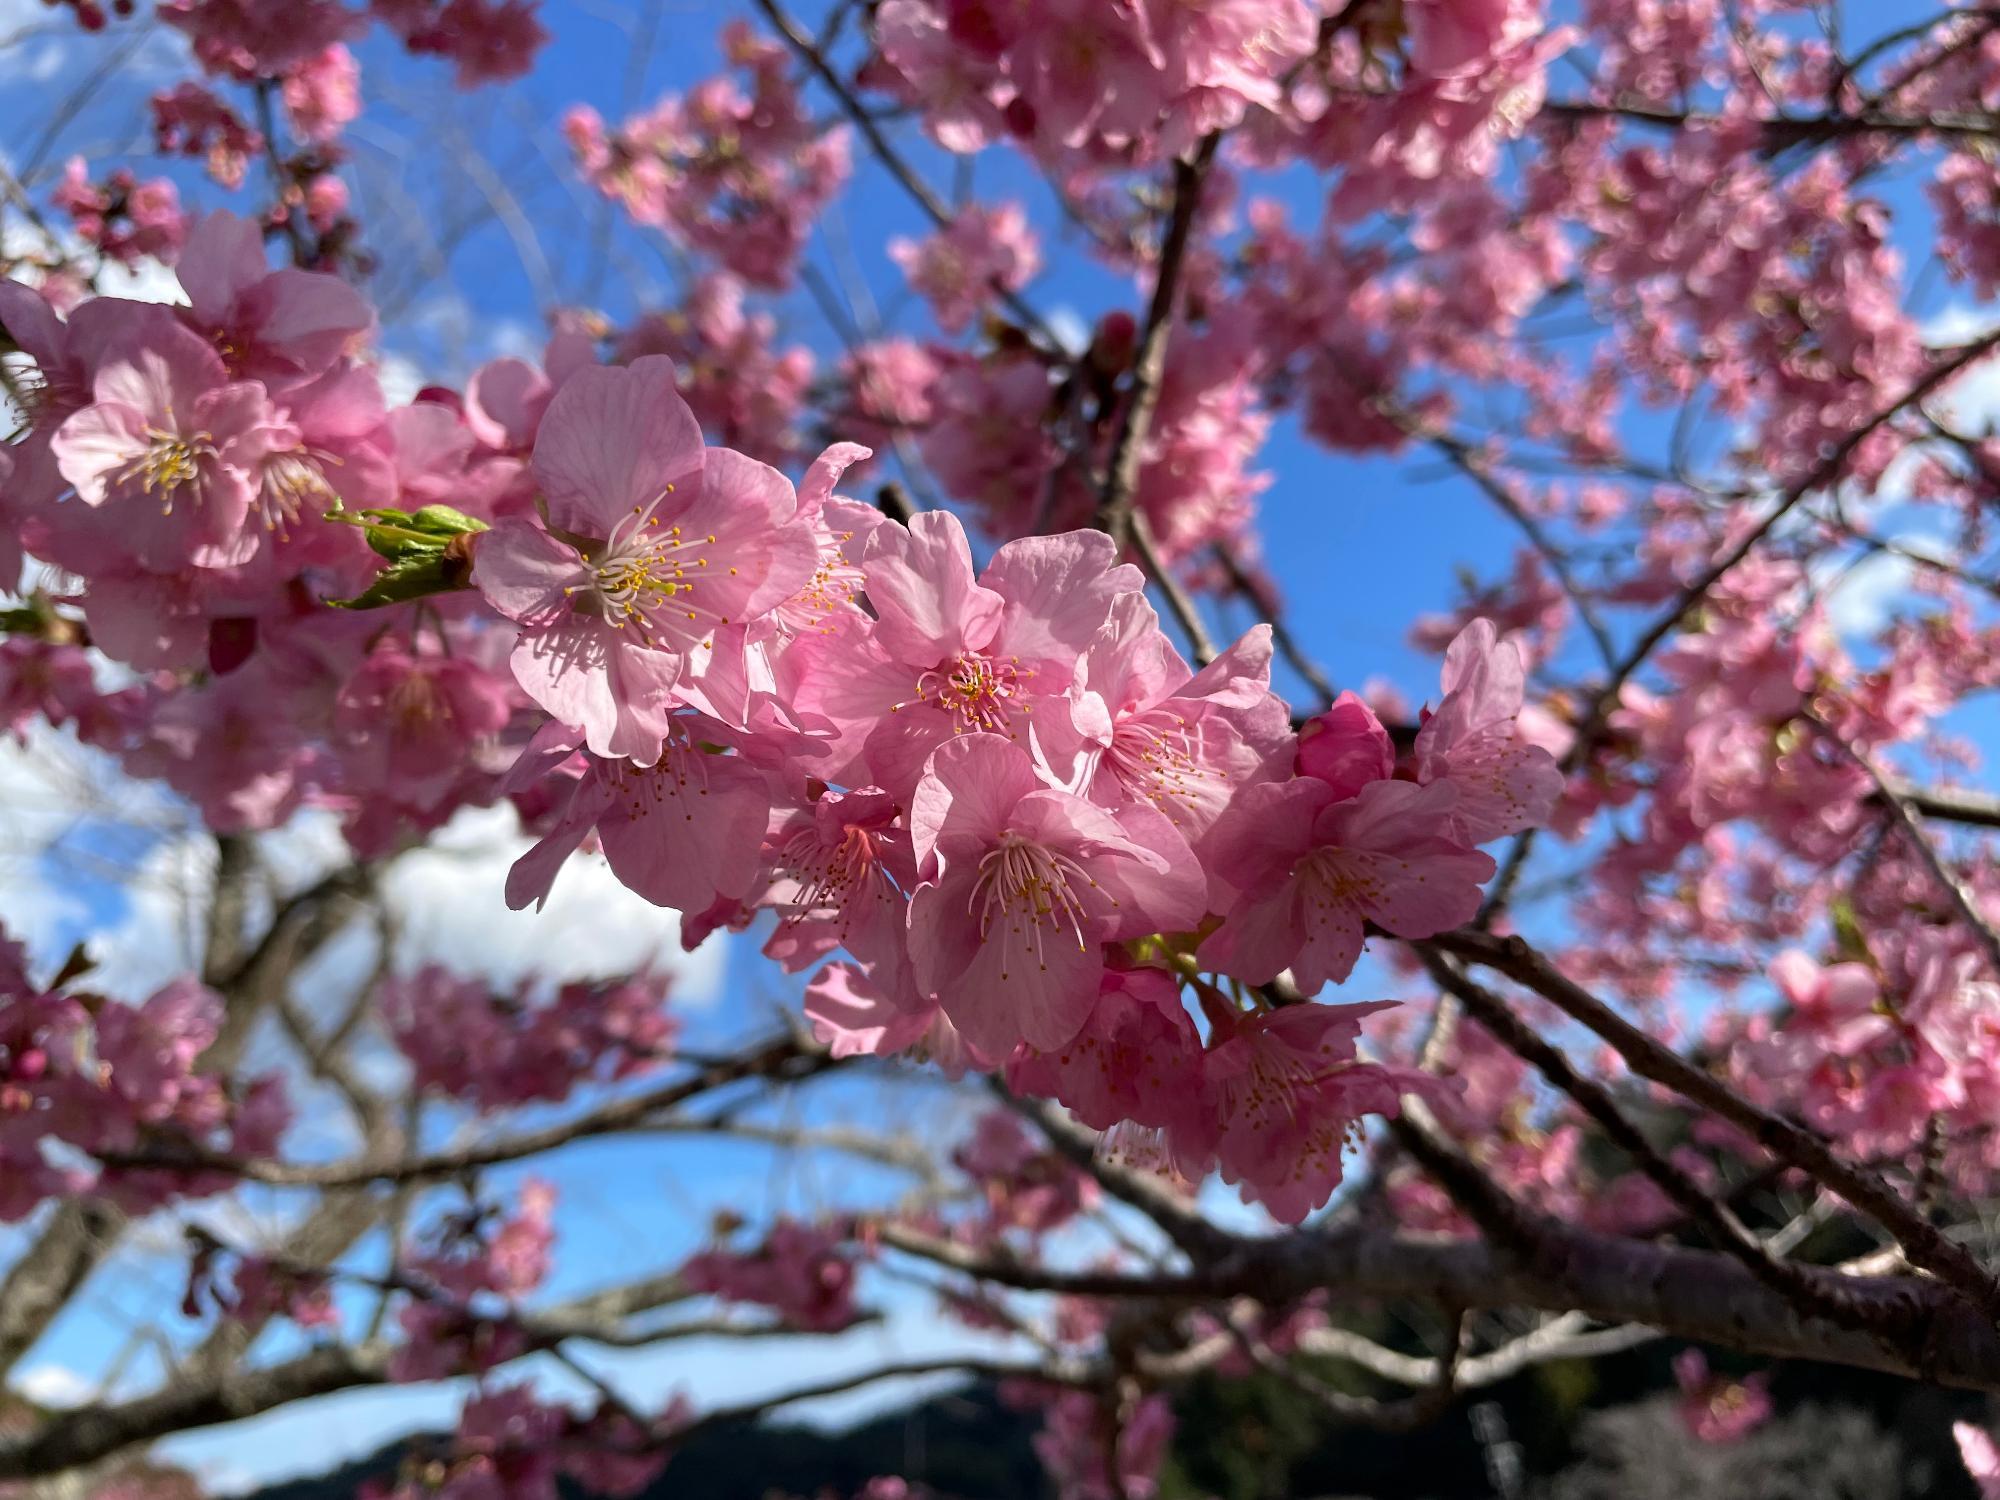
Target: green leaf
point(412, 577)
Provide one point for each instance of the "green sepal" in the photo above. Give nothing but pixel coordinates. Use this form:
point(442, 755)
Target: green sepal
point(408, 578)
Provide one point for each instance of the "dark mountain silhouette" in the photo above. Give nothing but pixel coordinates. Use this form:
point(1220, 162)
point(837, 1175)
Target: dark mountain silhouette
point(1609, 1430)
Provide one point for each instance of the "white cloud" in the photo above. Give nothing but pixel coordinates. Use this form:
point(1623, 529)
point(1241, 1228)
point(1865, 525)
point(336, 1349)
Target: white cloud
point(1971, 401)
point(55, 1385)
point(1864, 598)
point(145, 280)
point(401, 378)
point(450, 904)
point(56, 879)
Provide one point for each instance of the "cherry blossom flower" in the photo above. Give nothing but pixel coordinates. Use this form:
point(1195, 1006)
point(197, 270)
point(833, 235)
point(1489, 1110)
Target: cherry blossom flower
point(1977, 1451)
point(269, 325)
point(1138, 1057)
point(1298, 873)
point(963, 266)
point(1716, 1408)
point(654, 547)
point(953, 654)
point(1023, 885)
point(163, 448)
point(1504, 783)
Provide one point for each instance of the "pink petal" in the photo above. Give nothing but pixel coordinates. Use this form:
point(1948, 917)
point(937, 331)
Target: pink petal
point(612, 442)
point(927, 606)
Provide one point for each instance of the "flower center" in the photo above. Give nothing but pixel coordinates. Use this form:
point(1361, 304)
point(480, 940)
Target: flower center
point(829, 592)
point(978, 692)
point(415, 702)
point(645, 570)
point(1152, 755)
point(1026, 890)
point(1334, 879)
point(680, 773)
point(171, 463)
point(832, 876)
point(290, 481)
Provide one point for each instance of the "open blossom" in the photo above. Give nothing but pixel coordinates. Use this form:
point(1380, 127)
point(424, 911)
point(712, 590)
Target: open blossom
point(1504, 783)
point(1138, 1057)
point(953, 654)
point(270, 325)
point(653, 548)
point(408, 719)
point(682, 831)
point(1148, 730)
point(1024, 885)
point(1719, 1408)
point(845, 866)
point(1285, 1090)
point(963, 266)
point(1299, 872)
point(163, 448)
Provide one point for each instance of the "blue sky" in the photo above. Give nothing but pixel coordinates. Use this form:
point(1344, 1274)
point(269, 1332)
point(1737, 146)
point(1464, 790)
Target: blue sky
point(1359, 548)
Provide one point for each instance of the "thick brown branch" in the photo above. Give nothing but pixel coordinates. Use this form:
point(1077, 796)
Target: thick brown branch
point(1686, 1293)
point(1715, 1219)
point(1927, 1247)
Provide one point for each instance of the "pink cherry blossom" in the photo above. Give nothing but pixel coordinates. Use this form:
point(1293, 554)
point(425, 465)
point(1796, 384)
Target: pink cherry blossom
point(845, 869)
point(951, 653)
point(485, 40)
point(1137, 1058)
point(1504, 783)
point(163, 449)
point(1981, 1457)
point(799, 1271)
point(323, 94)
point(682, 831)
point(654, 546)
point(1716, 1408)
point(1149, 731)
point(962, 267)
point(190, 120)
point(1023, 885)
point(1346, 747)
point(1286, 1090)
point(271, 325)
point(1298, 874)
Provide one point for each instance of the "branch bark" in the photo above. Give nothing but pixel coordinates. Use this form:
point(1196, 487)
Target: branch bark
point(1927, 1247)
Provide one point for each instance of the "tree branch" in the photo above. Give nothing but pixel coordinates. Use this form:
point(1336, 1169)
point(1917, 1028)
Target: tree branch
point(1927, 1247)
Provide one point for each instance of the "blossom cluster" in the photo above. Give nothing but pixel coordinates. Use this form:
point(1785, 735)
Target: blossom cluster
point(108, 1083)
point(1023, 822)
point(998, 791)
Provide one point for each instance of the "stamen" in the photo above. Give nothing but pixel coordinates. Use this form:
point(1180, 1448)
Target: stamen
point(1025, 887)
point(978, 692)
point(171, 463)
